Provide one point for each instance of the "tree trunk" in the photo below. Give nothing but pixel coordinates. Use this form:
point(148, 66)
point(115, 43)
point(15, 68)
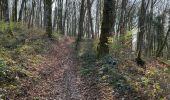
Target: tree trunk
point(65, 15)
point(60, 16)
point(141, 29)
point(123, 21)
point(0, 10)
point(107, 27)
point(5, 11)
point(90, 17)
point(21, 10)
point(164, 43)
point(47, 16)
point(14, 12)
point(81, 21)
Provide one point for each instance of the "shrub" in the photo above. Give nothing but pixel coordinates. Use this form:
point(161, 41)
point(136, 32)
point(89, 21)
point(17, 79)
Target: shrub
point(6, 75)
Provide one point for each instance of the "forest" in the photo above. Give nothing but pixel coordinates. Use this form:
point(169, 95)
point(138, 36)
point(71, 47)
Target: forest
point(85, 49)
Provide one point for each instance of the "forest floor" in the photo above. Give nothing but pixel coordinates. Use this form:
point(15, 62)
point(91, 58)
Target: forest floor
point(62, 73)
point(61, 78)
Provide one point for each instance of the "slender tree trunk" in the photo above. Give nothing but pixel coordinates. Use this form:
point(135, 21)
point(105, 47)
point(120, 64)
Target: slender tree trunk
point(65, 15)
point(14, 12)
point(5, 11)
point(141, 29)
point(97, 20)
point(21, 10)
point(41, 16)
point(150, 34)
point(81, 21)
point(122, 23)
point(1, 10)
point(25, 12)
point(60, 12)
point(47, 16)
point(164, 43)
point(90, 17)
point(55, 17)
point(75, 19)
point(33, 13)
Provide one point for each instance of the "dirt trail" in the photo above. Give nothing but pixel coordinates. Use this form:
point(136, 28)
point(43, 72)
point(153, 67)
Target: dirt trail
point(60, 78)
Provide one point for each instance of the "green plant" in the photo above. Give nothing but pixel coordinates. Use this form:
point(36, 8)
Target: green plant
point(3, 26)
point(86, 71)
point(3, 68)
point(6, 75)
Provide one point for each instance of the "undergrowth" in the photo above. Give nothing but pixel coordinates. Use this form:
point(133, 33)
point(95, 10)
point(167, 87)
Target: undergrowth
point(21, 49)
point(128, 80)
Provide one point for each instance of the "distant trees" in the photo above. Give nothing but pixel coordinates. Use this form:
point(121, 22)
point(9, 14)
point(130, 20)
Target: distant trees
point(151, 36)
point(101, 19)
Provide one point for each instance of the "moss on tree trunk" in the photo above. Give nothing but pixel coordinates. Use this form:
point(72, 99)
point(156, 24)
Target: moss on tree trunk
point(107, 27)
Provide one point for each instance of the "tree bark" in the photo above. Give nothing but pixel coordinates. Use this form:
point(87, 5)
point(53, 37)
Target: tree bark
point(5, 11)
point(47, 16)
point(123, 21)
point(14, 12)
point(107, 27)
point(141, 29)
point(164, 43)
point(90, 17)
point(65, 15)
point(21, 10)
point(81, 20)
point(60, 16)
